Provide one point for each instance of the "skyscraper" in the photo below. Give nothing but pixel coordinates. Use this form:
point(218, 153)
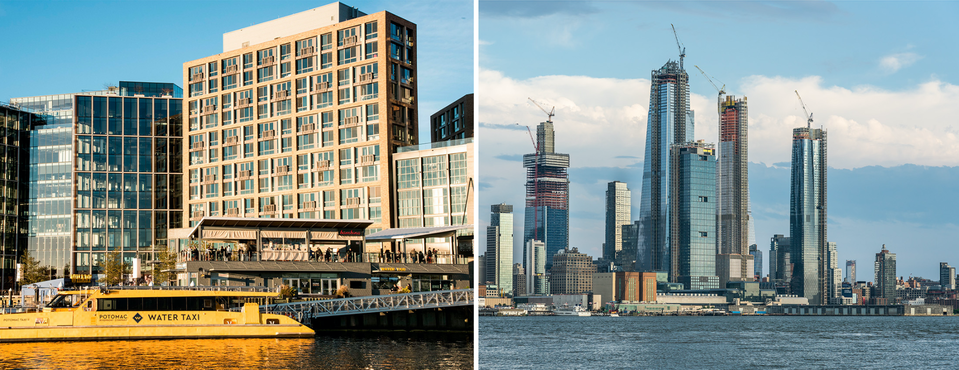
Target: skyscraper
point(627, 257)
point(947, 276)
point(693, 223)
point(572, 273)
point(885, 276)
point(617, 215)
point(547, 195)
point(807, 214)
point(14, 153)
point(669, 122)
point(733, 188)
point(779, 246)
point(499, 248)
point(851, 271)
point(757, 260)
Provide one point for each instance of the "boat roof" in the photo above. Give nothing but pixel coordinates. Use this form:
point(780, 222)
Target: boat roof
point(146, 291)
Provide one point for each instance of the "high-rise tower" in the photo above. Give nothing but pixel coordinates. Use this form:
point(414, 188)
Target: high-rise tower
point(851, 271)
point(670, 122)
point(547, 195)
point(617, 215)
point(807, 214)
point(947, 276)
point(693, 222)
point(499, 248)
point(885, 278)
point(732, 187)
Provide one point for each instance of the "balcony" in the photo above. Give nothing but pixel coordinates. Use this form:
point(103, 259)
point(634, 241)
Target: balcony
point(353, 202)
point(243, 103)
point(196, 77)
point(307, 128)
point(322, 165)
point(268, 134)
point(281, 94)
point(282, 170)
point(209, 179)
point(230, 69)
point(269, 208)
point(197, 145)
point(232, 212)
point(267, 61)
point(231, 140)
point(197, 215)
point(351, 121)
point(209, 109)
point(306, 52)
point(308, 206)
point(367, 159)
point(367, 77)
point(349, 41)
point(245, 175)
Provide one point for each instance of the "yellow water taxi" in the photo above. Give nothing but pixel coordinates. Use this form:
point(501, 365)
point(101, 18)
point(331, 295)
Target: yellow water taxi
point(151, 313)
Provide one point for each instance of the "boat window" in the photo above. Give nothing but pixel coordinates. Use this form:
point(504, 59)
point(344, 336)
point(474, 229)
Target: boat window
point(64, 301)
point(193, 303)
point(118, 304)
point(134, 304)
point(163, 304)
point(272, 321)
point(149, 304)
point(178, 304)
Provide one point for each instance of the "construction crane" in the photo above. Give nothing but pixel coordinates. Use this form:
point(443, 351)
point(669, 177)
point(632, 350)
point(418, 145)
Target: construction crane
point(548, 114)
point(808, 115)
point(682, 49)
point(721, 90)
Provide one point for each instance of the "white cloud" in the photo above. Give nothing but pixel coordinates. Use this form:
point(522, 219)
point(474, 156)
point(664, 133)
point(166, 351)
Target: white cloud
point(894, 62)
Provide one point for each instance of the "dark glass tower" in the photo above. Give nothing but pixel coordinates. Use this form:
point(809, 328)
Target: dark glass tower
point(807, 214)
point(693, 223)
point(14, 138)
point(670, 122)
point(547, 195)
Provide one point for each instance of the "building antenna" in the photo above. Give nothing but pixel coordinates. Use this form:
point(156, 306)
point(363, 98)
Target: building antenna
point(682, 48)
point(808, 115)
point(549, 115)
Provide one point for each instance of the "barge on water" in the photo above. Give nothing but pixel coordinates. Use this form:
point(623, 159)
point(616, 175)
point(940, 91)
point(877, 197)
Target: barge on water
point(151, 313)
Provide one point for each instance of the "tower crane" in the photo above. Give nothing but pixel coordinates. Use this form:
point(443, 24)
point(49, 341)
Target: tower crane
point(808, 115)
point(548, 114)
point(721, 90)
point(682, 49)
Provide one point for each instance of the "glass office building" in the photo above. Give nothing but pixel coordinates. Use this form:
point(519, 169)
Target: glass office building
point(807, 214)
point(129, 176)
point(14, 130)
point(670, 122)
point(547, 195)
point(54, 159)
point(693, 232)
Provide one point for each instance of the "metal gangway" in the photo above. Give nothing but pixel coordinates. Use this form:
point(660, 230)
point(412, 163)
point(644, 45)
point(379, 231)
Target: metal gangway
point(305, 311)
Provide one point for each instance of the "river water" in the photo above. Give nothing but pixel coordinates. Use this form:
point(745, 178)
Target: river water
point(748, 342)
point(357, 351)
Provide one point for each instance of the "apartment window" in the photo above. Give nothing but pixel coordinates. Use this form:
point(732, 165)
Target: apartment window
point(435, 201)
point(326, 60)
point(247, 60)
point(247, 78)
point(458, 167)
point(344, 95)
point(349, 135)
point(458, 198)
point(369, 173)
point(343, 77)
point(370, 30)
point(371, 50)
point(368, 92)
point(264, 74)
point(212, 86)
point(346, 156)
point(284, 51)
point(409, 202)
point(285, 69)
point(326, 41)
point(324, 99)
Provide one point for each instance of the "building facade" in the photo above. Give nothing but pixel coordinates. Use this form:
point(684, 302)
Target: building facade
point(732, 186)
point(833, 274)
point(757, 261)
point(455, 121)
point(547, 194)
point(572, 273)
point(74, 171)
point(670, 122)
point(519, 280)
point(627, 257)
point(499, 245)
point(693, 216)
point(807, 215)
point(289, 121)
point(850, 271)
point(617, 214)
point(535, 265)
point(14, 156)
point(885, 275)
point(947, 276)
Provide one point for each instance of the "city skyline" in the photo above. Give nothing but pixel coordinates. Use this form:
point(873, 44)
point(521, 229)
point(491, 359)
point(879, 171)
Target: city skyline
point(601, 110)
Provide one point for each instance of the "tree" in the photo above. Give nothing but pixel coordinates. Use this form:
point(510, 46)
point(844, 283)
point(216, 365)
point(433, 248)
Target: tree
point(32, 271)
point(165, 260)
point(115, 268)
point(66, 270)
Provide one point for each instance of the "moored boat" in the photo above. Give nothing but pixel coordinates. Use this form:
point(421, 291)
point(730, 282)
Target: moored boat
point(151, 313)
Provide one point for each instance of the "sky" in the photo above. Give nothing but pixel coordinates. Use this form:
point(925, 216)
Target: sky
point(880, 77)
point(73, 46)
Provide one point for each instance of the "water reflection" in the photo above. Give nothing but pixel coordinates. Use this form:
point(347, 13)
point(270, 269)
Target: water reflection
point(376, 351)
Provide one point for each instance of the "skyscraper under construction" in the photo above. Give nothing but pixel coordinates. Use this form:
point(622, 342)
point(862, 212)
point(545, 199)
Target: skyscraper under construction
point(734, 261)
point(670, 122)
point(547, 195)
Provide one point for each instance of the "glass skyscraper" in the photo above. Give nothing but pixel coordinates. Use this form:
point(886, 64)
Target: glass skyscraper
point(807, 214)
point(499, 248)
point(547, 195)
point(670, 122)
point(693, 216)
point(617, 215)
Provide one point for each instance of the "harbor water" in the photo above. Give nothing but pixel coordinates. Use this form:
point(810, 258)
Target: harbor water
point(721, 342)
point(426, 350)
